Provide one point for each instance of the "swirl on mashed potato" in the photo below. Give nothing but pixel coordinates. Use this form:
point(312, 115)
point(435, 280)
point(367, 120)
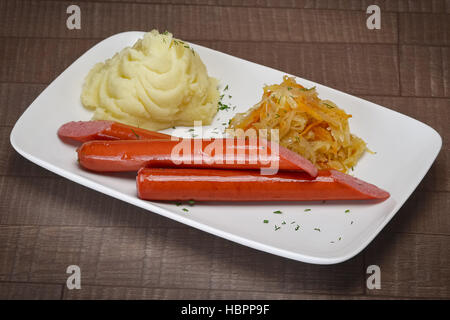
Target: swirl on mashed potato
point(158, 83)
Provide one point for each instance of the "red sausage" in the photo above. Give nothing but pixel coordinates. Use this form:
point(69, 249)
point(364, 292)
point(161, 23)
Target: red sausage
point(114, 156)
point(105, 130)
point(249, 185)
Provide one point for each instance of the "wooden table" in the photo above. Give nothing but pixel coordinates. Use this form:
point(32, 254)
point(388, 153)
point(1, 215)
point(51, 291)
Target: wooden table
point(48, 223)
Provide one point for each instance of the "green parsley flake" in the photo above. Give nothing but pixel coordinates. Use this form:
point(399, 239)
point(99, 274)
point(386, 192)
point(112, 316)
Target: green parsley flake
point(347, 211)
point(317, 229)
point(191, 202)
point(278, 212)
point(277, 227)
point(266, 221)
point(306, 210)
point(297, 227)
point(137, 136)
point(223, 106)
point(185, 210)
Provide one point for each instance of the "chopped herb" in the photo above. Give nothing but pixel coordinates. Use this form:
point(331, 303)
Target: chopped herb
point(191, 202)
point(166, 33)
point(223, 106)
point(278, 212)
point(347, 211)
point(221, 97)
point(178, 204)
point(329, 106)
point(317, 229)
point(266, 221)
point(340, 238)
point(174, 127)
point(284, 222)
point(353, 169)
point(351, 222)
point(190, 130)
point(292, 222)
point(331, 241)
point(297, 227)
point(224, 123)
point(226, 88)
point(185, 210)
point(289, 88)
point(306, 210)
point(277, 115)
point(229, 97)
point(277, 227)
point(194, 135)
point(137, 136)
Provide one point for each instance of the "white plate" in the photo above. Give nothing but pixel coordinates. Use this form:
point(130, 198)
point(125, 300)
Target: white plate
point(405, 149)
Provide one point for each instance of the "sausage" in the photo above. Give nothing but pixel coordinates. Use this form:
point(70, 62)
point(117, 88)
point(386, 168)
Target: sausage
point(116, 156)
point(248, 185)
point(105, 130)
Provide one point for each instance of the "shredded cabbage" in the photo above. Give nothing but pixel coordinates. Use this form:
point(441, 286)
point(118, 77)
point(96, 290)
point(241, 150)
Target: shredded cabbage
point(314, 128)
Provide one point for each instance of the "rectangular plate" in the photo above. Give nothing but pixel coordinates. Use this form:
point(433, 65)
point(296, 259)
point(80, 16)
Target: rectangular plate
point(405, 149)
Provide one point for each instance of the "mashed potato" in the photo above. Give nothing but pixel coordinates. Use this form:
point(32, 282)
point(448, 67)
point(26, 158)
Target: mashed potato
point(158, 83)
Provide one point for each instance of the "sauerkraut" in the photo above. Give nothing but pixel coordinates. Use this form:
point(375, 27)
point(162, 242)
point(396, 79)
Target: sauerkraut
point(314, 128)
